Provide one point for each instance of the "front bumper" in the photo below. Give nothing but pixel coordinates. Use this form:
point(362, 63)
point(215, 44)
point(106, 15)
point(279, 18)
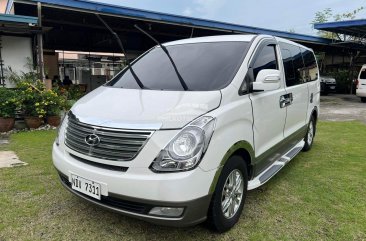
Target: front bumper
point(195, 211)
point(134, 191)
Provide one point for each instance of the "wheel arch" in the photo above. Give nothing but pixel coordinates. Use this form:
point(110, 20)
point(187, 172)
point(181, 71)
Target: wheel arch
point(243, 149)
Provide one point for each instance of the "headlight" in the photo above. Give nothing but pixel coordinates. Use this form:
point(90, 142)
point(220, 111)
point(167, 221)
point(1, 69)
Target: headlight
point(186, 149)
point(59, 128)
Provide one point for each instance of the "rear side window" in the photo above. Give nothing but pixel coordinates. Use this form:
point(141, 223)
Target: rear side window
point(311, 68)
point(288, 65)
point(363, 74)
point(266, 59)
point(293, 64)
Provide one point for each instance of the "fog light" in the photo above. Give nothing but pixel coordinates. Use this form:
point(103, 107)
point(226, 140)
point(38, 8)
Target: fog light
point(167, 212)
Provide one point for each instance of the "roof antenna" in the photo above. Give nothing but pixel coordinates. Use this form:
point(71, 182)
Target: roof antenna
point(115, 35)
point(182, 82)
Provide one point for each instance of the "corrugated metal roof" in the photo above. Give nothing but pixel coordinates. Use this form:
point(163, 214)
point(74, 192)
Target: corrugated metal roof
point(350, 27)
point(9, 18)
point(174, 19)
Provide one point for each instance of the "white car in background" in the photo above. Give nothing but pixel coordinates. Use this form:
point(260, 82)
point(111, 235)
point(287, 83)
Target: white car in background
point(180, 136)
point(361, 84)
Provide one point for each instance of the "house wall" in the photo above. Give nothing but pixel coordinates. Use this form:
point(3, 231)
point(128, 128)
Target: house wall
point(16, 53)
point(3, 4)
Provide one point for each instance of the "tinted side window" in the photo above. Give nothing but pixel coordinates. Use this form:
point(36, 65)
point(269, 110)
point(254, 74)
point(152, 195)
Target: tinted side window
point(288, 65)
point(363, 74)
point(266, 59)
point(298, 64)
point(311, 68)
point(293, 64)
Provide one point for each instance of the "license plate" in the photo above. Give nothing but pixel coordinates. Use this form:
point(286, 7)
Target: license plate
point(85, 186)
point(332, 87)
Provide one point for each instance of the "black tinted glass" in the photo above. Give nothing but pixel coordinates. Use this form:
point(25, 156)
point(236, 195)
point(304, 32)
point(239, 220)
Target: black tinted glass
point(288, 65)
point(203, 66)
point(265, 60)
point(298, 75)
point(311, 67)
point(363, 74)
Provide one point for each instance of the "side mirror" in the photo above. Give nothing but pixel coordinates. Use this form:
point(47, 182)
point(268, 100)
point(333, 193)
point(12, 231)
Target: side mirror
point(267, 79)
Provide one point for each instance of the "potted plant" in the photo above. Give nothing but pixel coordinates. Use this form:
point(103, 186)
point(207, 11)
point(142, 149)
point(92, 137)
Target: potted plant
point(8, 106)
point(32, 103)
point(54, 104)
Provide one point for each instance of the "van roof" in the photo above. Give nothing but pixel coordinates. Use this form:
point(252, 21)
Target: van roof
point(291, 42)
point(230, 38)
point(219, 38)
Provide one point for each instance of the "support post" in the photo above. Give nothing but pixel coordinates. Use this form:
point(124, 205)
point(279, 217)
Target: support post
point(40, 44)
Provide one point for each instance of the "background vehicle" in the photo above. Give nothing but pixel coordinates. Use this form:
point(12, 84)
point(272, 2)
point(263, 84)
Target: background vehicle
point(180, 136)
point(361, 84)
point(327, 85)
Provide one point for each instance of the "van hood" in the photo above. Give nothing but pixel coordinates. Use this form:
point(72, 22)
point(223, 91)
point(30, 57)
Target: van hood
point(144, 109)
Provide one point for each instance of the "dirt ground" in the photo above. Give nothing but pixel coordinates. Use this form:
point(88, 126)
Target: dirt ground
point(337, 107)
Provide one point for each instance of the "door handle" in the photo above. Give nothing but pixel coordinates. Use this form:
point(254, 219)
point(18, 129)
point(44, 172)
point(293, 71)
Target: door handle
point(286, 100)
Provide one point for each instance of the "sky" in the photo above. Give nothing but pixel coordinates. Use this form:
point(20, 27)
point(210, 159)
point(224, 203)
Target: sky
point(282, 15)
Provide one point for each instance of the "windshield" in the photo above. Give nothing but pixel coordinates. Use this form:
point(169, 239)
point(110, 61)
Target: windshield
point(203, 67)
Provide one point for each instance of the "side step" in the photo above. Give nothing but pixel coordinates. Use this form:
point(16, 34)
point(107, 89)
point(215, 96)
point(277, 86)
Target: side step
point(267, 174)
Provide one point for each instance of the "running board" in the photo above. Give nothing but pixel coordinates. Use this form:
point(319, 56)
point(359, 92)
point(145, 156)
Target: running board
point(267, 174)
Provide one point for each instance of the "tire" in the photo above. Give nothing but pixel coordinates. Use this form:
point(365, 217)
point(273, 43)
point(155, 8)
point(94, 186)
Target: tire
point(219, 219)
point(310, 134)
point(363, 99)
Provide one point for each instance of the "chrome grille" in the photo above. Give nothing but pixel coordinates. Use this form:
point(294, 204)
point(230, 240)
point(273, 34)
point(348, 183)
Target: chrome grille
point(115, 144)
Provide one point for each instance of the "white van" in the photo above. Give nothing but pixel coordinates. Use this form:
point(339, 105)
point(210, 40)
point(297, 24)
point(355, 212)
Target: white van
point(178, 142)
point(361, 84)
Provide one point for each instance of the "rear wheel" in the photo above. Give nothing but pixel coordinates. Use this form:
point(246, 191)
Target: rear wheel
point(363, 99)
point(310, 134)
point(228, 199)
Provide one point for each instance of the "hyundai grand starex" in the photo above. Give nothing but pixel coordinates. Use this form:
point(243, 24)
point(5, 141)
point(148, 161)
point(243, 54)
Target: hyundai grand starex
point(181, 134)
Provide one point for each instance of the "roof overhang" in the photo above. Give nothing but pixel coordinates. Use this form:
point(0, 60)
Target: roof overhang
point(17, 24)
point(355, 28)
point(170, 19)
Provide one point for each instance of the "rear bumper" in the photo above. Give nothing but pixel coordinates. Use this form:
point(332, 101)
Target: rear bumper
point(361, 92)
point(195, 211)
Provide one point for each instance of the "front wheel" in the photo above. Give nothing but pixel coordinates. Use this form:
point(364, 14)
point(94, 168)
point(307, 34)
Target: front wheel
point(228, 199)
point(363, 99)
point(310, 134)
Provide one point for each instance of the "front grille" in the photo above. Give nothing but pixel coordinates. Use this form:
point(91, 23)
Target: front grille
point(115, 144)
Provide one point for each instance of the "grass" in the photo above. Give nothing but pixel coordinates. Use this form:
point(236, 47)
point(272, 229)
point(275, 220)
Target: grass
point(320, 195)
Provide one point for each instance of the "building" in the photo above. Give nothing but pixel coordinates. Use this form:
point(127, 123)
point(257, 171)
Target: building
point(74, 42)
point(16, 44)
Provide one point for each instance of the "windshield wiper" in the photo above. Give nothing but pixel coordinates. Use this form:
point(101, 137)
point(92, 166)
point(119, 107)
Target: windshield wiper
point(181, 80)
point(115, 35)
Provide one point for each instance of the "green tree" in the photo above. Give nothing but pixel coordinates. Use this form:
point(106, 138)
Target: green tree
point(327, 15)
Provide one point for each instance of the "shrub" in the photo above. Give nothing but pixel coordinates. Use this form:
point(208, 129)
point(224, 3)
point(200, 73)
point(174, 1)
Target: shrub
point(53, 102)
point(31, 98)
point(344, 83)
point(9, 102)
point(74, 92)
